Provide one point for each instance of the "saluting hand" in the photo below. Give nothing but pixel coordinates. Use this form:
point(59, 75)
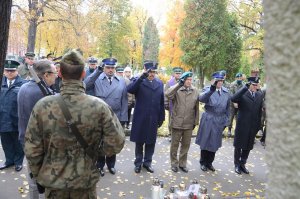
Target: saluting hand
point(213, 87)
point(145, 74)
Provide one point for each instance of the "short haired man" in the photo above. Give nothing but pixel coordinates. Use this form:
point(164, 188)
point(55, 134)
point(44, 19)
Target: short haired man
point(111, 89)
point(56, 159)
point(148, 116)
point(185, 117)
point(250, 104)
point(28, 96)
point(213, 121)
point(10, 87)
point(23, 69)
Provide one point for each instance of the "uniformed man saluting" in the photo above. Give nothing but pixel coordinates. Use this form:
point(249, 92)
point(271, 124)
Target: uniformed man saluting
point(111, 89)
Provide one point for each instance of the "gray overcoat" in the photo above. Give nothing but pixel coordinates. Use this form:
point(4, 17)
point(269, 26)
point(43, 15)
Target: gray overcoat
point(214, 119)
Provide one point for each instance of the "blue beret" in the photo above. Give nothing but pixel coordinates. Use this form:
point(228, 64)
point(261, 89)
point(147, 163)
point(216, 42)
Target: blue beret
point(186, 75)
point(92, 60)
point(218, 75)
point(239, 75)
point(254, 80)
point(11, 65)
point(109, 61)
point(150, 65)
point(177, 70)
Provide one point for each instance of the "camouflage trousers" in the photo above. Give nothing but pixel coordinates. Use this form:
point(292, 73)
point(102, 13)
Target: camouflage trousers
point(71, 194)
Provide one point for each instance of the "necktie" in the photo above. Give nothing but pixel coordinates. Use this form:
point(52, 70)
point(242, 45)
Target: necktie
point(253, 95)
point(219, 92)
point(109, 79)
point(9, 83)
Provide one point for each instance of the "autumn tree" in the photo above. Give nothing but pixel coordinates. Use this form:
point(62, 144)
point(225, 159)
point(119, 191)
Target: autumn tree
point(138, 19)
point(115, 29)
point(170, 52)
point(206, 36)
point(150, 41)
point(5, 10)
point(250, 18)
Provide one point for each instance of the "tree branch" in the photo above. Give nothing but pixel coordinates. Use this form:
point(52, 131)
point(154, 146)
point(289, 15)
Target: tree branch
point(23, 11)
point(248, 27)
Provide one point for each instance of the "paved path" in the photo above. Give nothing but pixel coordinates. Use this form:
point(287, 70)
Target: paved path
point(223, 183)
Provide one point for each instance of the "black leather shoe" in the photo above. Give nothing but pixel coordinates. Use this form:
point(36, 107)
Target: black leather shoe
point(18, 168)
point(184, 169)
point(244, 169)
point(203, 168)
point(112, 171)
point(4, 166)
point(174, 169)
point(149, 168)
point(211, 167)
point(137, 169)
point(237, 169)
point(101, 171)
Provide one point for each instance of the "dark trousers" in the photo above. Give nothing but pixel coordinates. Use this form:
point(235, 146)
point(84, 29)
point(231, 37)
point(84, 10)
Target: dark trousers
point(207, 157)
point(12, 148)
point(129, 116)
point(240, 156)
point(263, 138)
point(109, 160)
point(141, 157)
point(233, 112)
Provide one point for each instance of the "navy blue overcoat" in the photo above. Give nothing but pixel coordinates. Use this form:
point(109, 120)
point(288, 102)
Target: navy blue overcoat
point(9, 105)
point(149, 110)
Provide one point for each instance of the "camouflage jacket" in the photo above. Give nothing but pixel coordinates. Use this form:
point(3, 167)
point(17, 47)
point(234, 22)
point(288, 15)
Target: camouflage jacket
point(54, 156)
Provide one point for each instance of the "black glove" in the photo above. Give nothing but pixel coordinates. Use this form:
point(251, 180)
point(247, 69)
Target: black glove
point(181, 82)
point(159, 124)
point(100, 67)
point(248, 84)
point(40, 188)
point(213, 87)
point(145, 74)
point(167, 107)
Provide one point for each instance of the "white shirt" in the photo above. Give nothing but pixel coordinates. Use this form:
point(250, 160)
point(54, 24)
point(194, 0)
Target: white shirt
point(12, 82)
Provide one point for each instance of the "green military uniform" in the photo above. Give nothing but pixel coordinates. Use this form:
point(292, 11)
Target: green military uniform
point(234, 87)
point(56, 159)
point(23, 69)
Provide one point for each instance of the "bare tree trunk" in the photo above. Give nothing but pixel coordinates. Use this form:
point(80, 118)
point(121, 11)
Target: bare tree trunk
point(5, 10)
point(32, 35)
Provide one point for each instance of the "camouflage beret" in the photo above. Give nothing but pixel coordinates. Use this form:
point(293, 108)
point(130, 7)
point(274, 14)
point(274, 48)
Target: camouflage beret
point(73, 57)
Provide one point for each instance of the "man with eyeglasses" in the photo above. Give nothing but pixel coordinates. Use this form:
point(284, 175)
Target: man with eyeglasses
point(28, 96)
point(248, 122)
point(111, 89)
point(23, 69)
point(10, 87)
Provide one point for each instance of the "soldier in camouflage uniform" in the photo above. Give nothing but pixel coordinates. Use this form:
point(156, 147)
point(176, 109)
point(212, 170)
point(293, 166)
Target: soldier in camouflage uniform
point(23, 69)
point(56, 159)
point(234, 87)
